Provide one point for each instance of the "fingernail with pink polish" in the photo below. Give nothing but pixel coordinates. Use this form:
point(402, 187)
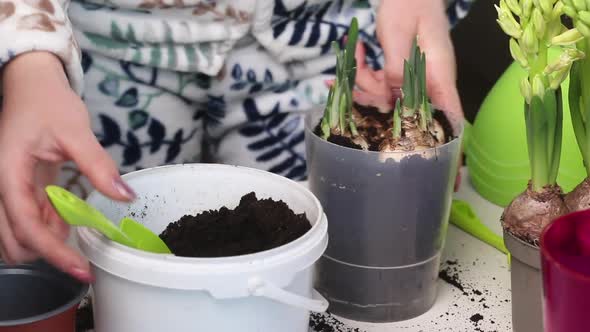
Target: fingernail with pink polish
point(124, 189)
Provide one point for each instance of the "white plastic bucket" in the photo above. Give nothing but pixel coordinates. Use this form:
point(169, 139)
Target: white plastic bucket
point(268, 291)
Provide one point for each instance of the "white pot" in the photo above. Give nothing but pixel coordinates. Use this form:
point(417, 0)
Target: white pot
point(268, 291)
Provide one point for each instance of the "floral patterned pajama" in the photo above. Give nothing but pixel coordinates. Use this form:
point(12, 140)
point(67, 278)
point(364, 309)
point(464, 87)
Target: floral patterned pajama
point(173, 81)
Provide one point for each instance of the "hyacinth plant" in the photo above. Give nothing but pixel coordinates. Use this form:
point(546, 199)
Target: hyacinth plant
point(579, 99)
point(409, 125)
point(535, 26)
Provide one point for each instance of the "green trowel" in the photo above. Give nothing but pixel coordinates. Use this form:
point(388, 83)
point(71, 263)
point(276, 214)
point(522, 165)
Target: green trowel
point(463, 216)
point(77, 212)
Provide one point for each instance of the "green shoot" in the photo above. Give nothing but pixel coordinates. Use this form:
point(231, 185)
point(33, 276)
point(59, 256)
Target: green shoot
point(415, 95)
point(338, 112)
point(397, 121)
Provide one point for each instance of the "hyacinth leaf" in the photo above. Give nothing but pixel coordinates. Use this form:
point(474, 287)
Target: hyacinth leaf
point(407, 88)
point(576, 105)
point(538, 143)
point(397, 121)
point(343, 106)
point(325, 124)
point(350, 50)
point(555, 102)
point(339, 104)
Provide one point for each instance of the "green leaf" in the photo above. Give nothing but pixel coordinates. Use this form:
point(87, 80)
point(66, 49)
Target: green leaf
point(577, 106)
point(550, 113)
point(130, 36)
point(137, 119)
point(191, 54)
point(529, 134)
point(538, 122)
point(136, 56)
point(116, 33)
point(105, 42)
point(155, 56)
point(171, 56)
point(397, 121)
point(556, 153)
point(353, 31)
point(407, 87)
point(342, 110)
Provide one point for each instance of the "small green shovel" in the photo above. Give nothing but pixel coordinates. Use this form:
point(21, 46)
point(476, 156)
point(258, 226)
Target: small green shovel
point(463, 216)
point(77, 212)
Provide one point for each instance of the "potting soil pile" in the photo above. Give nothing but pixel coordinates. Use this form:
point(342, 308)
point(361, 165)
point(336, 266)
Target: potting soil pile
point(253, 226)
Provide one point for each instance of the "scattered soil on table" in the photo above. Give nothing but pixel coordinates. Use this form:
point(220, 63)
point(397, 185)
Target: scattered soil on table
point(476, 318)
point(452, 278)
point(328, 323)
point(254, 226)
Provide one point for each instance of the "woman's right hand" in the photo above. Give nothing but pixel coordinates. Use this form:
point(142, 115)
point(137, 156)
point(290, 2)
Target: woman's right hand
point(43, 123)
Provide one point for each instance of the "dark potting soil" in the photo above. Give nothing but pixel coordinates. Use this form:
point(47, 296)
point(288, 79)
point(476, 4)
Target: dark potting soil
point(445, 123)
point(254, 226)
point(337, 139)
point(384, 119)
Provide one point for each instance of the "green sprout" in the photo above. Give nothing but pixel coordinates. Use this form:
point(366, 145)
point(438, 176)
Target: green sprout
point(415, 97)
point(338, 113)
point(537, 29)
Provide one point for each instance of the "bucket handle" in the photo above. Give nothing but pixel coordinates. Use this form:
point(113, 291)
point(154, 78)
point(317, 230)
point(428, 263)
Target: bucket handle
point(317, 303)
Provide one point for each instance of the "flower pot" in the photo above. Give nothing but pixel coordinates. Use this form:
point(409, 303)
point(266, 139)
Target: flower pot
point(142, 292)
point(37, 297)
point(526, 285)
point(565, 262)
point(388, 216)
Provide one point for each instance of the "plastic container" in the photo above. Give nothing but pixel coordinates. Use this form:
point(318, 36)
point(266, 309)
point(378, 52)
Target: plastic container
point(565, 254)
point(526, 285)
point(264, 292)
point(496, 150)
point(37, 297)
point(388, 216)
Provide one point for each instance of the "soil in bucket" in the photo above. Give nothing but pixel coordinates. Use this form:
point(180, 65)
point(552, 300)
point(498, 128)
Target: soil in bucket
point(255, 225)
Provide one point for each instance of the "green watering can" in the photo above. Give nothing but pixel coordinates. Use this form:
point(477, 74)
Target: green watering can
point(77, 212)
point(495, 145)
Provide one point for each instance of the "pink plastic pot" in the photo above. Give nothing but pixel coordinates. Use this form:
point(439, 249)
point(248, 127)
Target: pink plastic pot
point(565, 256)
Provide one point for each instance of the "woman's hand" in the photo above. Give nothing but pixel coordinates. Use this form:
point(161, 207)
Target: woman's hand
point(43, 123)
point(398, 24)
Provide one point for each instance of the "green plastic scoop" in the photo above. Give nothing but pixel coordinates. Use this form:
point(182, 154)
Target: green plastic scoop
point(77, 212)
point(462, 216)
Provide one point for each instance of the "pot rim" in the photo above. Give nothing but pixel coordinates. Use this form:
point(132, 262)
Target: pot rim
point(550, 257)
point(525, 252)
point(457, 125)
point(83, 290)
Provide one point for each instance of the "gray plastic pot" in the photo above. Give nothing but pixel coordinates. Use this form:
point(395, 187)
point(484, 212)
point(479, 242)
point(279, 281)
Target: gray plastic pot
point(526, 285)
point(388, 216)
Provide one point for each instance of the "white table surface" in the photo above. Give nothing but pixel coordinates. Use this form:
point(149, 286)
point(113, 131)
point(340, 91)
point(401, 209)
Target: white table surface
point(482, 271)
